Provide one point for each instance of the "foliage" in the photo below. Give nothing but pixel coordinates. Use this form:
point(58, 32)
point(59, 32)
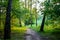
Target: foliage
point(51, 9)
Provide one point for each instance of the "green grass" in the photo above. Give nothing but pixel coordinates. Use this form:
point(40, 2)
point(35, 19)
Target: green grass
point(35, 28)
point(17, 33)
point(50, 32)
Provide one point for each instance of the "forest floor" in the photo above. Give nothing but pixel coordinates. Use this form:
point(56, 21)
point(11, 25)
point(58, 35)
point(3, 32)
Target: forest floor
point(33, 35)
point(17, 33)
point(23, 33)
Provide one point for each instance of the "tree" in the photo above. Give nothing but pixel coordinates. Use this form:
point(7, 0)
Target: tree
point(45, 12)
point(3, 5)
point(32, 2)
point(51, 10)
point(42, 24)
point(7, 28)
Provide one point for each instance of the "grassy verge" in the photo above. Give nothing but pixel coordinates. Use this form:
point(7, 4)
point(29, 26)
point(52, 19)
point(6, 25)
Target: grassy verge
point(17, 33)
point(49, 33)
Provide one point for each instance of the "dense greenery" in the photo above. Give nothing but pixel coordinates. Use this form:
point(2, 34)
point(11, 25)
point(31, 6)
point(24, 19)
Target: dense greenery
point(26, 13)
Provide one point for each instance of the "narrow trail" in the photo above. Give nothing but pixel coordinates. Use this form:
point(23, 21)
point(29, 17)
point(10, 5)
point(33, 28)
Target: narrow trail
point(32, 35)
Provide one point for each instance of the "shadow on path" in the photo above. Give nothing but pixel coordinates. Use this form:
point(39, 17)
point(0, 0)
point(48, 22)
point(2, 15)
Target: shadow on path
point(32, 35)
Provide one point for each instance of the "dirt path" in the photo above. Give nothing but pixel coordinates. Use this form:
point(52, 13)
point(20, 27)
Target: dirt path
point(32, 35)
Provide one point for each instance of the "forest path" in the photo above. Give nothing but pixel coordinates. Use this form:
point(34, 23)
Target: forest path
point(32, 35)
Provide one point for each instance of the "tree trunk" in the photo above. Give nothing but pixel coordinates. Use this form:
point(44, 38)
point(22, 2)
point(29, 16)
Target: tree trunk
point(36, 17)
point(31, 22)
point(42, 25)
point(36, 22)
point(20, 22)
point(7, 28)
point(31, 12)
